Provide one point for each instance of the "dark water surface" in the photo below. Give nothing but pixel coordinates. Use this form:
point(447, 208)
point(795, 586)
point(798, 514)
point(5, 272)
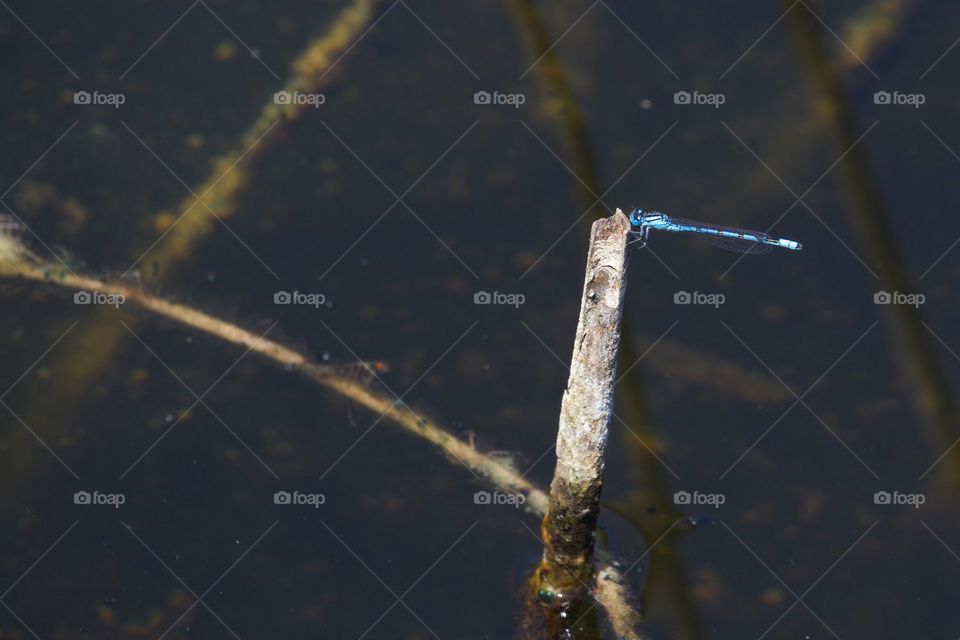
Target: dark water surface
point(799, 546)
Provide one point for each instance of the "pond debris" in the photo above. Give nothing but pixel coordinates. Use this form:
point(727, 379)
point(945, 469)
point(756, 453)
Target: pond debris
point(870, 30)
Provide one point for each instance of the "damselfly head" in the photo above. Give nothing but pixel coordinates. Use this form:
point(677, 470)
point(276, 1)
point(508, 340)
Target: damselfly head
point(639, 218)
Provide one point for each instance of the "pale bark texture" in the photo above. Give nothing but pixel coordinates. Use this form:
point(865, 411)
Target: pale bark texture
point(585, 413)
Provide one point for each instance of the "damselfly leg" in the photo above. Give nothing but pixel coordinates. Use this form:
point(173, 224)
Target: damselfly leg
point(639, 236)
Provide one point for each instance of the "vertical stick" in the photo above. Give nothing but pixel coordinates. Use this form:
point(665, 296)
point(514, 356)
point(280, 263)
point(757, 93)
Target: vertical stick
point(585, 412)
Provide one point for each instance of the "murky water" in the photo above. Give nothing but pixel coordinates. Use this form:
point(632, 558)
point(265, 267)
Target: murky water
point(783, 419)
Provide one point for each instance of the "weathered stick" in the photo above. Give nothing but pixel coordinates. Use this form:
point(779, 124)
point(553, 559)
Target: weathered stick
point(16, 261)
point(585, 413)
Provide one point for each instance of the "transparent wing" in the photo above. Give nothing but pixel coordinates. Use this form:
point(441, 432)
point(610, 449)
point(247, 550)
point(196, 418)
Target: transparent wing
point(724, 242)
point(736, 244)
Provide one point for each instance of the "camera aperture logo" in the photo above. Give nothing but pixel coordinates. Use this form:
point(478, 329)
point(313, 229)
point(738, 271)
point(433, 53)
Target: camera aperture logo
point(697, 98)
point(699, 499)
point(896, 297)
point(97, 98)
point(511, 99)
point(299, 499)
point(299, 98)
point(516, 500)
point(511, 299)
point(896, 498)
point(315, 300)
point(900, 99)
point(99, 499)
point(696, 297)
point(99, 297)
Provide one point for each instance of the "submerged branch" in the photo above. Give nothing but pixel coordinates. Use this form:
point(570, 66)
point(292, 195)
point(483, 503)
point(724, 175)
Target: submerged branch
point(17, 261)
point(872, 222)
point(219, 195)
